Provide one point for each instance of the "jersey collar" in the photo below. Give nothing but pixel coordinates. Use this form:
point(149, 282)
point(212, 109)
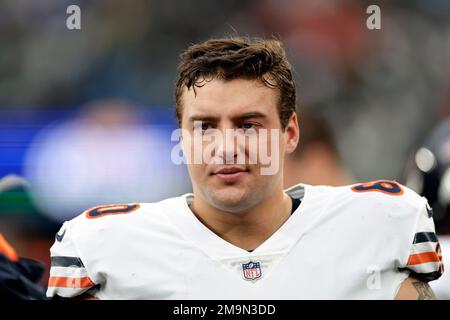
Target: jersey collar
point(217, 248)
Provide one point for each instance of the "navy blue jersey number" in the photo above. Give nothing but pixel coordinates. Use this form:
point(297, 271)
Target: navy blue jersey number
point(385, 186)
point(102, 211)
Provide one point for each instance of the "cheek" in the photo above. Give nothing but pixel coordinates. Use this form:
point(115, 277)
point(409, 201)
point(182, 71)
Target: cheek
point(282, 144)
point(271, 143)
point(197, 173)
point(191, 149)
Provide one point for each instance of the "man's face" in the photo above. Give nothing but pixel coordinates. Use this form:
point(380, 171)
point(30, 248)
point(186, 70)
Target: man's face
point(244, 113)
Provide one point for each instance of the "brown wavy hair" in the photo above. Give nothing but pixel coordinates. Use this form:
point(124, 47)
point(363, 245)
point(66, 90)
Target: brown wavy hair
point(231, 58)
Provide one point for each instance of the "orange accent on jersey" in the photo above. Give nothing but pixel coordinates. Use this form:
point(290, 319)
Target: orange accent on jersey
point(111, 207)
point(74, 283)
point(7, 250)
point(423, 258)
point(384, 183)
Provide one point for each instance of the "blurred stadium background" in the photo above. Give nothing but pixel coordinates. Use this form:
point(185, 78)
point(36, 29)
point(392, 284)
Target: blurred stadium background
point(86, 116)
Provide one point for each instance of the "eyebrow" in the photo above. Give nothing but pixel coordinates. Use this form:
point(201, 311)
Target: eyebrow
point(247, 115)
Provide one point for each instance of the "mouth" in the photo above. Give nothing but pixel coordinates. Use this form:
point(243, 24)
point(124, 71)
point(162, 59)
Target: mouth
point(230, 174)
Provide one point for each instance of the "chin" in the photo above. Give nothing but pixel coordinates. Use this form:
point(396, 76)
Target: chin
point(230, 199)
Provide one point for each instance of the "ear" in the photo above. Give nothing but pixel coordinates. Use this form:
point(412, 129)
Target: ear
point(292, 134)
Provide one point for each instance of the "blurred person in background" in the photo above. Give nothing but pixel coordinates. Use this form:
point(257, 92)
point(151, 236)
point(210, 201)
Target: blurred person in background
point(428, 173)
point(19, 276)
point(23, 224)
point(316, 160)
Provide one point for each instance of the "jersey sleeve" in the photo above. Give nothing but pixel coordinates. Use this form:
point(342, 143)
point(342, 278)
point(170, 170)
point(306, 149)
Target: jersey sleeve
point(69, 276)
point(425, 260)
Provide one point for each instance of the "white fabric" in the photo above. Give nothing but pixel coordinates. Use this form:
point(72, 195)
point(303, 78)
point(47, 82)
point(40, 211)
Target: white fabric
point(338, 244)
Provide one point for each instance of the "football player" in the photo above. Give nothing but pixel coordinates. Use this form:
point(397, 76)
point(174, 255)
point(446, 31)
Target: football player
point(240, 235)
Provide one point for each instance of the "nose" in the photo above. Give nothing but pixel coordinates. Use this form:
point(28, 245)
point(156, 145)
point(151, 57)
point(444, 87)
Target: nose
point(229, 147)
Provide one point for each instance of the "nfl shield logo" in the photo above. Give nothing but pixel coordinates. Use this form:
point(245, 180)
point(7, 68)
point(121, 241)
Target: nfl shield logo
point(252, 270)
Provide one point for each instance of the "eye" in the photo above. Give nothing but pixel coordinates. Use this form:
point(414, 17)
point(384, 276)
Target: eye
point(247, 125)
point(202, 126)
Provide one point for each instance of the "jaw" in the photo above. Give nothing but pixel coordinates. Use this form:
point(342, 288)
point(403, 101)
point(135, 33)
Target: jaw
point(228, 197)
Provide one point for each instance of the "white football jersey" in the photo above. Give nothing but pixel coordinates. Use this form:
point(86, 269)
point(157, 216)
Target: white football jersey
point(351, 242)
point(441, 287)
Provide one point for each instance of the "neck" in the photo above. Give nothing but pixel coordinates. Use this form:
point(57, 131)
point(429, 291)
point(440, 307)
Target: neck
point(248, 229)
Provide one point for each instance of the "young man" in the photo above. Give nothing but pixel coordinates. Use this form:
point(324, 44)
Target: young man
point(240, 235)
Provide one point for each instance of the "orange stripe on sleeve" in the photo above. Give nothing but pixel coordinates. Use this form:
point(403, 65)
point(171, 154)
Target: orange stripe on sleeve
point(74, 283)
point(7, 250)
point(423, 258)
